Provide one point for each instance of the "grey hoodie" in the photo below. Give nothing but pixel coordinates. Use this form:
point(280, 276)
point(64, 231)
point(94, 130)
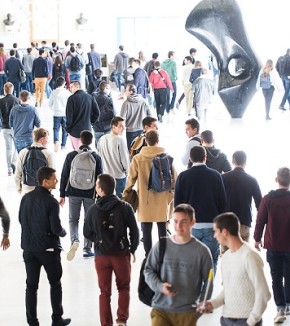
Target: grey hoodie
point(121, 61)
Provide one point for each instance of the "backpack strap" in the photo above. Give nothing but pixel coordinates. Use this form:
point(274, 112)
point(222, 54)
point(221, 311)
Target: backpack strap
point(163, 79)
point(162, 248)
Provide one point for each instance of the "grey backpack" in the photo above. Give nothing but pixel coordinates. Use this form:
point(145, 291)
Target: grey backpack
point(83, 170)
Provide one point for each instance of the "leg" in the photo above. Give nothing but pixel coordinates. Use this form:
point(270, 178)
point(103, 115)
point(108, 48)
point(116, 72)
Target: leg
point(37, 89)
point(75, 204)
point(276, 262)
point(20, 144)
point(43, 82)
point(159, 318)
point(184, 319)
point(161, 229)
point(98, 135)
point(245, 232)
point(188, 97)
point(122, 270)
point(286, 270)
point(120, 186)
point(173, 96)
point(147, 237)
point(130, 136)
point(7, 133)
point(75, 142)
point(63, 131)
point(104, 271)
point(286, 83)
point(56, 127)
point(32, 266)
point(87, 202)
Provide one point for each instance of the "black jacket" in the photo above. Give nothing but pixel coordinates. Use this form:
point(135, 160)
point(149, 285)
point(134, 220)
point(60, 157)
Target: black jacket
point(82, 111)
point(125, 211)
point(40, 223)
point(6, 104)
point(65, 188)
point(217, 160)
point(107, 112)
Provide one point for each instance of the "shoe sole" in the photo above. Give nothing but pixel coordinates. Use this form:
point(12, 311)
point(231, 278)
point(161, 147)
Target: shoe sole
point(279, 320)
point(71, 254)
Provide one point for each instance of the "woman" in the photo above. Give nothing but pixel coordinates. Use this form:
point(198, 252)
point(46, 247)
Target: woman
point(3, 77)
point(58, 70)
point(268, 80)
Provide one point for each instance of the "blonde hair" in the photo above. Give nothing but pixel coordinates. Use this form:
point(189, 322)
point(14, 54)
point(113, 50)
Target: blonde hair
point(8, 88)
point(40, 133)
point(268, 67)
point(198, 64)
point(2, 51)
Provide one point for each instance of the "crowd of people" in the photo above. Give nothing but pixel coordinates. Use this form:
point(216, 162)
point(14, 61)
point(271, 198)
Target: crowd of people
point(107, 173)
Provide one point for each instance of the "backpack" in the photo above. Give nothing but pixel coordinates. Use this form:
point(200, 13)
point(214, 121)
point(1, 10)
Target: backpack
point(75, 64)
point(265, 82)
point(83, 170)
point(196, 138)
point(161, 174)
point(145, 293)
point(110, 236)
point(137, 144)
point(34, 160)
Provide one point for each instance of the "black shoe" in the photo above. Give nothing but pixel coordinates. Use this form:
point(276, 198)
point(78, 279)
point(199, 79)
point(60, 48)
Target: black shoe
point(282, 108)
point(61, 322)
point(159, 118)
point(13, 167)
point(36, 104)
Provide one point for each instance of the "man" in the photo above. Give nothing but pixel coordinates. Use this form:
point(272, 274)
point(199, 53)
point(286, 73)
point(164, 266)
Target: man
point(27, 64)
point(169, 65)
point(22, 119)
point(81, 113)
point(40, 137)
point(187, 68)
point(148, 123)
point(245, 290)
point(57, 103)
point(121, 63)
point(74, 63)
point(5, 221)
point(192, 132)
point(11, 68)
point(274, 214)
point(79, 195)
point(153, 206)
point(182, 279)
point(203, 189)
point(215, 158)
point(6, 104)
point(40, 232)
point(113, 150)
point(111, 257)
point(94, 60)
point(241, 189)
point(134, 109)
point(39, 77)
point(149, 66)
point(283, 68)
point(140, 78)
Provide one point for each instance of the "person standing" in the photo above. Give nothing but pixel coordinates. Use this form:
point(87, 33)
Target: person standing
point(5, 221)
point(3, 77)
point(74, 62)
point(27, 64)
point(82, 112)
point(121, 63)
point(11, 68)
point(140, 78)
point(283, 68)
point(268, 80)
point(274, 216)
point(6, 104)
point(183, 277)
point(94, 61)
point(134, 109)
point(22, 119)
point(112, 257)
point(187, 85)
point(245, 290)
point(40, 232)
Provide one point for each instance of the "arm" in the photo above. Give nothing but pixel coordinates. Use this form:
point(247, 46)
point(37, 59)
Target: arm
point(55, 226)
point(262, 220)
point(133, 228)
point(5, 218)
point(36, 120)
point(88, 229)
point(132, 176)
point(50, 160)
point(64, 179)
point(124, 156)
point(257, 195)
point(227, 166)
point(222, 202)
point(69, 113)
point(178, 192)
point(95, 111)
point(19, 172)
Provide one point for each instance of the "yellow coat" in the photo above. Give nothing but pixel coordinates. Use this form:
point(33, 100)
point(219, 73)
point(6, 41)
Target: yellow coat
point(153, 206)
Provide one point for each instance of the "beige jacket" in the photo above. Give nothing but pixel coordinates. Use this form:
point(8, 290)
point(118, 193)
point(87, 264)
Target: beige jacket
point(153, 206)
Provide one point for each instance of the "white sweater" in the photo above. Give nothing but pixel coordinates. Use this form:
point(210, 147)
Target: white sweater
point(246, 292)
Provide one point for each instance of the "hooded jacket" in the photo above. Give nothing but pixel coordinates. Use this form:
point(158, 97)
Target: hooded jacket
point(134, 110)
point(6, 105)
point(124, 210)
point(121, 61)
point(169, 65)
point(274, 213)
point(217, 160)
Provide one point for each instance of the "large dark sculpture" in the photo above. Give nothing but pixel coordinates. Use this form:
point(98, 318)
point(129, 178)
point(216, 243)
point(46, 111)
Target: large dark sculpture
point(219, 25)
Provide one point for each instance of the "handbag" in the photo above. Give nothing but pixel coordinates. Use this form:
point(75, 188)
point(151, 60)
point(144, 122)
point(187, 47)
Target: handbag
point(132, 198)
point(22, 75)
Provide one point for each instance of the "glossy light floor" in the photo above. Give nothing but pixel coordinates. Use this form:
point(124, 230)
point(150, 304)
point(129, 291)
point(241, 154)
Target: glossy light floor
point(268, 148)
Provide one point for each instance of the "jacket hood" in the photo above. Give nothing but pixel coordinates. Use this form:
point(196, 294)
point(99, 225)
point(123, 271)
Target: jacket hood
point(151, 151)
point(213, 153)
point(21, 108)
point(124, 55)
point(135, 98)
point(167, 63)
point(107, 202)
point(279, 193)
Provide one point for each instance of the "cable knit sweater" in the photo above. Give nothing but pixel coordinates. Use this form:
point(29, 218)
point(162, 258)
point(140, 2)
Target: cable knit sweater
point(246, 292)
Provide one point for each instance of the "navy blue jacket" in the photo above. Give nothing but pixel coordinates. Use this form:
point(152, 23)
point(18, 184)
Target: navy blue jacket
point(6, 104)
point(203, 189)
point(39, 68)
point(40, 223)
point(241, 188)
point(12, 66)
point(65, 188)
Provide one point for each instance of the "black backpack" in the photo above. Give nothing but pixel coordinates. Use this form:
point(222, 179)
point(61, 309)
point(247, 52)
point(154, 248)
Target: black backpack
point(111, 236)
point(161, 173)
point(145, 293)
point(75, 64)
point(33, 161)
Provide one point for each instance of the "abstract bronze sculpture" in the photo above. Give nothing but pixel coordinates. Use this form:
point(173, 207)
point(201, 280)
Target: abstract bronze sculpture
point(219, 25)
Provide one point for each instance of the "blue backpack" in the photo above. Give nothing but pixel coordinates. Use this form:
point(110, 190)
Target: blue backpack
point(161, 174)
point(265, 82)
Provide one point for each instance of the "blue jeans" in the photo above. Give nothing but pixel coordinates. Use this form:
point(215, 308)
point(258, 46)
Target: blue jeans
point(11, 154)
point(268, 95)
point(28, 85)
point(279, 262)
point(286, 84)
point(120, 186)
point(22, 143)
point(75, 77)
point(48, 90)
point(16, 83)
point(130, 136)
point(98, 135)
point(51, 262)
point(237, 322)
point(3, 80)
point(118, 80)
point(57, 122)
point(171, 105)
point(206, 236)
point(75, 205)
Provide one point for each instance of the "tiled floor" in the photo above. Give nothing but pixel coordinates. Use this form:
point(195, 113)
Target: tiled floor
point(267, 146)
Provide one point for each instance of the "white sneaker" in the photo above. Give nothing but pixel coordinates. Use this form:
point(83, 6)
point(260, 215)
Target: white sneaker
point(56, 146)
point(71, 254)
point(280, 317)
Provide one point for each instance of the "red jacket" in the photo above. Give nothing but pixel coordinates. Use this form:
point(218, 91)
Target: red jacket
point(157, 81)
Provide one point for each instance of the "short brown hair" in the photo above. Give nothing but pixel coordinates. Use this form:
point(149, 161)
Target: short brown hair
point(152, 137)
point(24, 96)
point(40, 133)
point(283, 176)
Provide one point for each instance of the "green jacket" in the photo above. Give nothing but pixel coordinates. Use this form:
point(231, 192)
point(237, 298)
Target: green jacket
point(170, 66)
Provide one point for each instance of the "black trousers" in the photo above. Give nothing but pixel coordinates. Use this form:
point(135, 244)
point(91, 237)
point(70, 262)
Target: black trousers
point(147, 234)
point(160, 95)
point(51, 262)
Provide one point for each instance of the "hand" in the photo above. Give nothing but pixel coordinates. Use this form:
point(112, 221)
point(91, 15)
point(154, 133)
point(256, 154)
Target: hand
point(168, 289)
point(259, 245)
point(61, 201)
point(133, 258)
point(5, 243)
point(205, 306)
